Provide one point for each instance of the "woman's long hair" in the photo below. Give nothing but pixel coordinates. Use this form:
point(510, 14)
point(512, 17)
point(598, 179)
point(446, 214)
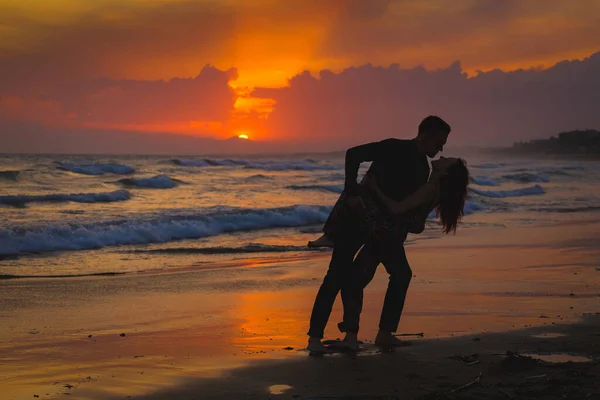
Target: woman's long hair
point(453, 193)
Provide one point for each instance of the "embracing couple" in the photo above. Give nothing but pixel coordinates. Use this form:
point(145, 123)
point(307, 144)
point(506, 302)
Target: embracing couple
point(374, 217)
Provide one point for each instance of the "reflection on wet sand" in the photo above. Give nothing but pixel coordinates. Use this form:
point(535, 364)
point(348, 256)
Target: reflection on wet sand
point(64, 335)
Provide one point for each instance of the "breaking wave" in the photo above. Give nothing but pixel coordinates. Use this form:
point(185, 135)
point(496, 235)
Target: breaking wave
point(109, 197)
point(526, 177)
point(304, 165)
point(529, 191)
point(96, 168)
point(484, 181)
point(55, 237)
point(249, 248)
point(490, 165)
point(328, 188)
point(471, 206)
point(155, 182)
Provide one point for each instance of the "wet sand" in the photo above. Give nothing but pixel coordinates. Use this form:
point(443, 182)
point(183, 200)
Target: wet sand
point(237, 330)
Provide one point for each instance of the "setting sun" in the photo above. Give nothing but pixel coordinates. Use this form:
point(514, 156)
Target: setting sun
point(243, 136)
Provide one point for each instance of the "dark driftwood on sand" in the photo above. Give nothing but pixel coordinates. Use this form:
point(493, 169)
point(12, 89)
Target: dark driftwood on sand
point(468, 385)
point(421, 334)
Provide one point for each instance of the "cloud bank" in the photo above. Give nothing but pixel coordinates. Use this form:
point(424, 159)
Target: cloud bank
point(492, 108)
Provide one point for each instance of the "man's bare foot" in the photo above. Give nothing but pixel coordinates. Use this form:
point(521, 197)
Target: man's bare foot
point(386, 339)
point(351, 341)
point(316, 346)
point(322, 241)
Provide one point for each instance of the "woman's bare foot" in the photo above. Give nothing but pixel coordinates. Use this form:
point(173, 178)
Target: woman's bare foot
point(316, 346)
point(386, 339)
point(322, 241)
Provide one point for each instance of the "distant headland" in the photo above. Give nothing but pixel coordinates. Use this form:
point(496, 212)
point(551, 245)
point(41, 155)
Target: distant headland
point(580, 143)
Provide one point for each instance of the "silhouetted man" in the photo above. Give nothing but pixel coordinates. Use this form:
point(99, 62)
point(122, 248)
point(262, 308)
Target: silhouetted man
point(400, 167)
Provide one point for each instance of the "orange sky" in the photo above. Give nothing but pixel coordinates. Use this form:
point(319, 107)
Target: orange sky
point(48, 44)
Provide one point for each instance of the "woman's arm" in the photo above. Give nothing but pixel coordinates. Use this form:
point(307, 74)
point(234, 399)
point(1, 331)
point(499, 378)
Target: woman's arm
point(424, 195)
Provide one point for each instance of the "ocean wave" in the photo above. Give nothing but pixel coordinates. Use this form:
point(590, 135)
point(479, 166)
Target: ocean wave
point(333, 176)
point(207, 162)
point(10, 175)
point(96, 168)
point(568, 209)
point(526, 177)
point(293, 166)
point(304, 165)
point(56, 237)
point(312, 229)
point(471, 206)
point(528, 191)
point(563, 168)
point(559, 171)
point(249, 248)
point(490, 165)
point(328, 188)
point(107, 197)
point(190, 163)
point(155, 182)
point(9, 276)
point(484, 181)
point(258, 178)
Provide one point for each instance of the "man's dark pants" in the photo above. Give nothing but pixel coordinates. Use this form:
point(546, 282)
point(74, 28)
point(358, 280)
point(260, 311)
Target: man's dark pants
point(393, 258)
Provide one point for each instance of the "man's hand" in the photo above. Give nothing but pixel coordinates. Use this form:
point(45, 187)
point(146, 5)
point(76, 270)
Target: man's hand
point(416, 225)
point(355, 203)
point(370, 182)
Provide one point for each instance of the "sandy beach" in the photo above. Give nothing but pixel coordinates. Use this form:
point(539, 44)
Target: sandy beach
point(237, 329)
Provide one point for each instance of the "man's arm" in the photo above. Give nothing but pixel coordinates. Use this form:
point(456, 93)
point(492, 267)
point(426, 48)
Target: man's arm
point(424, 195)
point(357, 155)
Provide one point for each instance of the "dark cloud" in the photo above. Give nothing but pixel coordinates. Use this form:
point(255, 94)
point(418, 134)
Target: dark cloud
point(206, 100)
point(206, 97)
point(370, 103)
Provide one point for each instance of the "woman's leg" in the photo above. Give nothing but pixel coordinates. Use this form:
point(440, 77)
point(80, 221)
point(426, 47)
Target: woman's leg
point(321, 241)
point(339, 221)
point(332, 225)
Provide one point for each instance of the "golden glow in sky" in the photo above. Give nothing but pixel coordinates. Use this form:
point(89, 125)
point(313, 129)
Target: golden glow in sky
point(47, 44)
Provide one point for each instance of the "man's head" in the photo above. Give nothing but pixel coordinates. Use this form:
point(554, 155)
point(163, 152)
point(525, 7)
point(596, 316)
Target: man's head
point(433, 134)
